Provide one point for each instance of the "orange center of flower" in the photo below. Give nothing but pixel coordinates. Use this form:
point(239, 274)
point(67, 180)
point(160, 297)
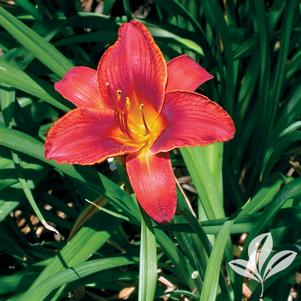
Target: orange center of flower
point(140, 125)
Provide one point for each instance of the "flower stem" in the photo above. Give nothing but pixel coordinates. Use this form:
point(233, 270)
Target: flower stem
point(261, 295)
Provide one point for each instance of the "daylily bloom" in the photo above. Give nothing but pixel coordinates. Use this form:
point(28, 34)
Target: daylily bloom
point(138, 105)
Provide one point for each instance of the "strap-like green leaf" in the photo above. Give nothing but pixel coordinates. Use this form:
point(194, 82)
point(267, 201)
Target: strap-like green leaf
point(148, 261)
point(43, 51)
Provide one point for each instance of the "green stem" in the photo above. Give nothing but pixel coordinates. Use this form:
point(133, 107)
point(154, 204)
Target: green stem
point(261, 295)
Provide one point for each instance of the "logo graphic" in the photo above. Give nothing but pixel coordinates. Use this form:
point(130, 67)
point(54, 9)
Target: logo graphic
point(256, 267)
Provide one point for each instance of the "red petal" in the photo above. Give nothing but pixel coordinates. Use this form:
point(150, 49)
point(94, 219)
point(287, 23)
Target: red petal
point(79, 85)
point(153, 182)
point(134, 65)
point(84, 137)
point(185, 74)
point(192, 119)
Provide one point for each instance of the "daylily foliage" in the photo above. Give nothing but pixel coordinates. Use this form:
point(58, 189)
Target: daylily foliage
point(138, 105)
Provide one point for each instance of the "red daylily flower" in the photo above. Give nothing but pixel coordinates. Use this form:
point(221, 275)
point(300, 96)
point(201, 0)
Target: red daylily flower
point(135, 104)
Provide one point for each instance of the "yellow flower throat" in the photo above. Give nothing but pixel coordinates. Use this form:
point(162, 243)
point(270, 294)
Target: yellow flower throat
point(139, 127)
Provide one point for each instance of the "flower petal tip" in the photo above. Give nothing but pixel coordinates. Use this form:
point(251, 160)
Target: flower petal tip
point(192, 120)
point(163, 218)
point(135, 65)
point(84, 137)
point(160, 215)
point(185, 74)
point(51, 153)
point(232, 129)
point(79, 86)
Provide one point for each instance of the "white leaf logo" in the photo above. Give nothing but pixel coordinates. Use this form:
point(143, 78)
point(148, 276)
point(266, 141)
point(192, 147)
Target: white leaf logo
point(278, 263)
point(265, 250)
point(259, 250)
point(241, 267)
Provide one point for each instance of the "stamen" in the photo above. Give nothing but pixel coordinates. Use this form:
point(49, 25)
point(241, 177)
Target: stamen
point(122, 123)
point(121, 115)
point(143, 118)
point(119, 119)
point(125, 122)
